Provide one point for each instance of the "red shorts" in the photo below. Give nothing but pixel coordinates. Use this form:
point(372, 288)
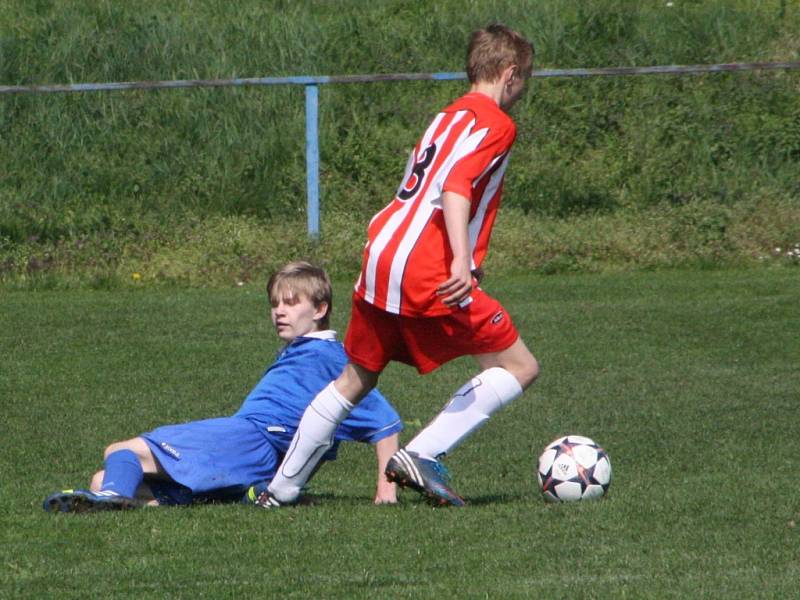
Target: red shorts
point(375, 337)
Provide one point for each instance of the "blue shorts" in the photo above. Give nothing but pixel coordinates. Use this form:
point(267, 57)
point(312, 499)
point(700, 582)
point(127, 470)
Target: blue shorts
point(213, 459)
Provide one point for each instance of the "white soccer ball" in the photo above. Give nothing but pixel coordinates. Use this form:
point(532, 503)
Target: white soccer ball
point(573, 468)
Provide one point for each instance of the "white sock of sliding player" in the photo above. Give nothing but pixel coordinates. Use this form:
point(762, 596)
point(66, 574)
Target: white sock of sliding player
point(314, 436)
point(468, 409)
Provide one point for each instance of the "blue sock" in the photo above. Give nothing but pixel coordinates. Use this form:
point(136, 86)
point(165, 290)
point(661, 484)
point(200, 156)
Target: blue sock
point(123, 473)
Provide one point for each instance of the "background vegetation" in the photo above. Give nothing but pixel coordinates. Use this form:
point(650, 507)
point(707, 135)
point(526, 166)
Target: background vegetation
point(688, 378)
point(207, 186)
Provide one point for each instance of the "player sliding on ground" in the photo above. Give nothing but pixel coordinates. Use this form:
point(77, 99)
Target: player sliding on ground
point(220, 459)
point(417, 299)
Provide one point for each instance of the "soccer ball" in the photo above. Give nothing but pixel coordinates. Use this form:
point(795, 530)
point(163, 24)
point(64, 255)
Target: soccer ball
point(573, 468)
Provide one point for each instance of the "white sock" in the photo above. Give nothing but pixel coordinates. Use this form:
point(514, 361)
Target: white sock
point(314, 436)
point(468, 409)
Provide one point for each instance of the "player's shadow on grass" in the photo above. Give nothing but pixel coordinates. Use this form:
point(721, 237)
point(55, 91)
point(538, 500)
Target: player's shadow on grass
point(487, 499)
point(408, 498)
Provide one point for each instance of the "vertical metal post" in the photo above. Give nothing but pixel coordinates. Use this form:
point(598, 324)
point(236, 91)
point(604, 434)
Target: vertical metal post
point(312, 159)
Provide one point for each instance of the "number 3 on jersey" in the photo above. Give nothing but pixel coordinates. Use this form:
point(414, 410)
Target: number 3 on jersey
point(414, 182)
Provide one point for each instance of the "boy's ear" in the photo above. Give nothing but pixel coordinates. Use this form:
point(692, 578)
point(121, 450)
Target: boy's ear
point(509, 74)
point(320, 311)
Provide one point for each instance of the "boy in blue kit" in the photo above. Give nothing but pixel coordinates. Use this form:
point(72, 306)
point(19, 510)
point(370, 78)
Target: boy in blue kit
point(231, 458)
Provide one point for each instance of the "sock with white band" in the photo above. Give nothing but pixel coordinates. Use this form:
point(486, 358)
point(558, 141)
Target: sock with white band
point(314, 436)
point(468, 409)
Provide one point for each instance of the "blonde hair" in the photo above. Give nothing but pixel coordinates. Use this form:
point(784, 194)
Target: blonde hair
point(495, 48)
point(301, 278)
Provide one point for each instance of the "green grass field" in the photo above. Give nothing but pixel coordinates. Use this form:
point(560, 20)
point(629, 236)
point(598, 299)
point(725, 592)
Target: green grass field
point(689, 379)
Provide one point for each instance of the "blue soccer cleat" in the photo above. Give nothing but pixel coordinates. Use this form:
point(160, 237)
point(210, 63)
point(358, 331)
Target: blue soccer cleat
point(428, 477)
point(258, 495)
point(83, 501)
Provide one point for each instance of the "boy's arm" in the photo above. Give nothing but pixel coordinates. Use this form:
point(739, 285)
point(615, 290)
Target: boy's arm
point(385, 491)
point(374, 420)
point(456, 219)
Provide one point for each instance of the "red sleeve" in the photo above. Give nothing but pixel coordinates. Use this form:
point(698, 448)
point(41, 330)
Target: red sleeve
point(497, 142)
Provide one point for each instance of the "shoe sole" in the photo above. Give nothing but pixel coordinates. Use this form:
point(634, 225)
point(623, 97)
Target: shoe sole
point(404, 481)
point(79, 503)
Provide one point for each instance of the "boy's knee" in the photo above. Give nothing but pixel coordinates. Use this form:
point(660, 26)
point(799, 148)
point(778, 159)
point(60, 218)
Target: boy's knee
point(355, 382)
point(531, 372)
point(115, 447)
point(111, 448)
point(135, 445)
point(527, 372)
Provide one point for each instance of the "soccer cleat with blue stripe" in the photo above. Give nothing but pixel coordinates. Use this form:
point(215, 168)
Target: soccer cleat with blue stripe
point(83, 501)
point(428, 477)
point(259, 495)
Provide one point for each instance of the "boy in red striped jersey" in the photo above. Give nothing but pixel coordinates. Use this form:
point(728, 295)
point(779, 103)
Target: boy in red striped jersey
point(417, 299)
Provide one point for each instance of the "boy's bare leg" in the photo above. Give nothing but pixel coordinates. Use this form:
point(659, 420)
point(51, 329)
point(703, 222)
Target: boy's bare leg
point(139, 447)
point(314, 435)
point(516, 359)
point(150, 466)
point(126, 464)
point(504, 376)
point(355, 382)
point(385, 491)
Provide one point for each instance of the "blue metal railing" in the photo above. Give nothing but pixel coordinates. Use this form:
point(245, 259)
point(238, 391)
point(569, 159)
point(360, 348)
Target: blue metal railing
point(312, 84)
point(312, 159)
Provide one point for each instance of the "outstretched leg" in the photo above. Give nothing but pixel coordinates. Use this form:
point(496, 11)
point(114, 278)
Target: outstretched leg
point(314, 435)
point(506, 374)
point(113, 488)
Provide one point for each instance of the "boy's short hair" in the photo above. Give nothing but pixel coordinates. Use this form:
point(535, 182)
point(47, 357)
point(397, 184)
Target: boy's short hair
point(493, 49)
point(303, 278)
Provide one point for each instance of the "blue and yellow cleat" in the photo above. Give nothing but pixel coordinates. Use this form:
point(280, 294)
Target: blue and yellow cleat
point(428, 477)
point(84, 501)
point(259, 495)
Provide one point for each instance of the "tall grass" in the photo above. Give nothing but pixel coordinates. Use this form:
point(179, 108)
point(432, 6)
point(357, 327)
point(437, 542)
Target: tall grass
point(138, 165)
point(216, 251)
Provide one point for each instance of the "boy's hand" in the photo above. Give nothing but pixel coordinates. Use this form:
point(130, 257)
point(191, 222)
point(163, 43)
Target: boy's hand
point(385, 490)
point(456, 289)
point(456, 219)
point(386, 493)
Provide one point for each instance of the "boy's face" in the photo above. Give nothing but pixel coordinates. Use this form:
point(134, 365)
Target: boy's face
point(294, 315)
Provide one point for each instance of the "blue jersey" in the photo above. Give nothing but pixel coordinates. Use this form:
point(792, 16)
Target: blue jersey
point(219, 458)
point(302, 369)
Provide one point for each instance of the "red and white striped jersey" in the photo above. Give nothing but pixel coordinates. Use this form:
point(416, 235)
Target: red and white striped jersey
point(464, 150)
